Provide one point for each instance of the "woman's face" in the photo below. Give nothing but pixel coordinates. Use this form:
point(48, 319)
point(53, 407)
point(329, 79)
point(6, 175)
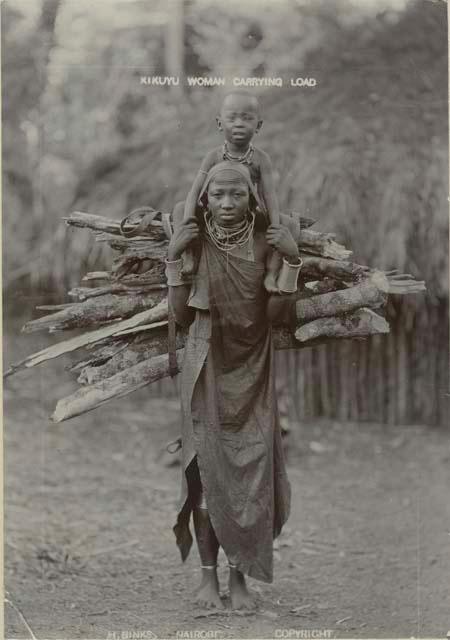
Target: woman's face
point(228, 198)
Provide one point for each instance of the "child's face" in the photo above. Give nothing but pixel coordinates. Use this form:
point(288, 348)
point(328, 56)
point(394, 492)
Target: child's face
point(228, 199)
point(239, 119)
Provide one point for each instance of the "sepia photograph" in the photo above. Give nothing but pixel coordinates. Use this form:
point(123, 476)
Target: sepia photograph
point(225, 319)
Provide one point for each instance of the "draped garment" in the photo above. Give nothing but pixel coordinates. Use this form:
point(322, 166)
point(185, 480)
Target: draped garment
point(229, 414)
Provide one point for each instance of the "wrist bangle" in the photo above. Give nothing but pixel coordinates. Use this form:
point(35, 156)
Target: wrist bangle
point(287, 279)
point(173, 272)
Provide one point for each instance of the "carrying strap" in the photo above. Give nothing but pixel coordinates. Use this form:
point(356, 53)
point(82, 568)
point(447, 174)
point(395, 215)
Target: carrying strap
point(137, 222)
point(172, 344)
point(172, 328)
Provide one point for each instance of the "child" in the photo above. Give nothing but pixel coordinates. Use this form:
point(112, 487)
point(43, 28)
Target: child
point(239, 120)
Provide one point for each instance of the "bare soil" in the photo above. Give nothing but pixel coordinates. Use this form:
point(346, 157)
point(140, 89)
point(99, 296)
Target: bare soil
point(89, 507)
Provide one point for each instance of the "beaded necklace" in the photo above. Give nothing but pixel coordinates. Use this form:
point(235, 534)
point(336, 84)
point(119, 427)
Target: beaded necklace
point(228, 239)
point(245, 158)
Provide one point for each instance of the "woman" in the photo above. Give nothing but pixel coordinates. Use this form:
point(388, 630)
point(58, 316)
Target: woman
point(234, 478)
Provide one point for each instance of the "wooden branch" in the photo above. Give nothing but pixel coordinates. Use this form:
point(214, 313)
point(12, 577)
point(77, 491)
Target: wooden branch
point(137, 351)
point(322, 244)
point(126, 378)
point(107, 230)
point(119, 385)
point(324, 286)
point(96, 275)
point(140, 246)
point(100, 224)
point(369, 293)
point(93, 312)
point(403, 284)
point(100, 354)
point(127, 269)
point(150, 315)
point(317, 267)
point(116, 288)
point(361, 323)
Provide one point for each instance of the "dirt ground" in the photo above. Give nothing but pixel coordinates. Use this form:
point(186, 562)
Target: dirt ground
point(89, 507)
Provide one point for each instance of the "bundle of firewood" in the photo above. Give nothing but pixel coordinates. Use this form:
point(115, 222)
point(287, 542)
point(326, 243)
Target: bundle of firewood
point(124, 311)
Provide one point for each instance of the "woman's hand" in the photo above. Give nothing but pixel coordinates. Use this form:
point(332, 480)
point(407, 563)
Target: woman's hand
point(182, 238)
point(280, 238)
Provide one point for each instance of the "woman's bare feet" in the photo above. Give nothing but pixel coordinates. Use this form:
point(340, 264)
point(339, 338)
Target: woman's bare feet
point(207, 595)
point(241, 598)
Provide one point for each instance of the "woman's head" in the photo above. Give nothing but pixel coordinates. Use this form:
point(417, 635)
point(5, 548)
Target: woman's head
point(228, 193)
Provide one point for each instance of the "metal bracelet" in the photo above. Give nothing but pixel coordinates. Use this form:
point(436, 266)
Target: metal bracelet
point(288, 277)
point(173, 273)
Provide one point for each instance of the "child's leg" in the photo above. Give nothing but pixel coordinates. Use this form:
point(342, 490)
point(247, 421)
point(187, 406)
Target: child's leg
point(274, 263)
point(190, 255)
point(178, 214)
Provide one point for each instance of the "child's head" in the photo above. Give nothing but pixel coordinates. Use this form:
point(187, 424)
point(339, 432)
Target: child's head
point(239, 118)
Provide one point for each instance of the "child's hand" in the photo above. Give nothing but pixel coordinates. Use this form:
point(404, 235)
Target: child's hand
point(182, 238)
point(280, 238)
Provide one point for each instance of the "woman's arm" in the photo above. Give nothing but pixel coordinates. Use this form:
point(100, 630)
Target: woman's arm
point(178, 291)
point(191, 201)
point(281, 307)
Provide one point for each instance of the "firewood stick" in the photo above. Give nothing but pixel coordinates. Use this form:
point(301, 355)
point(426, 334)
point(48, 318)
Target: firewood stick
point(324, 286)
point(156, 343)
point(117, 288)
point(97, 275)
point(359, 324)
point(129, 380)
point(149, 315)
point(109, 230)
point(100, 355)
point(119, 385)
point(369, 293)
point(99, 223)
point(137, 351)
point(93, 312)
point(318, 267)
point(126, 379)
point(365, 294)
point(322, 244)
point(142, 246)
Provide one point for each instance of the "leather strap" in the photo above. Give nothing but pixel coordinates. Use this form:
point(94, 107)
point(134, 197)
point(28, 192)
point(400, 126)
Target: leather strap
point(172, 345)
point(138, 221)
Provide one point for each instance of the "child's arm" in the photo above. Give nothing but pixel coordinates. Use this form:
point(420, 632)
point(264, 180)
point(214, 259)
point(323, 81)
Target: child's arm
point(268, 188)
point(191, 201)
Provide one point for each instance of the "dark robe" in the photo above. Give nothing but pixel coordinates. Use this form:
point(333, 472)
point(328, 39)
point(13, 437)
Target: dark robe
point(230, 426)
